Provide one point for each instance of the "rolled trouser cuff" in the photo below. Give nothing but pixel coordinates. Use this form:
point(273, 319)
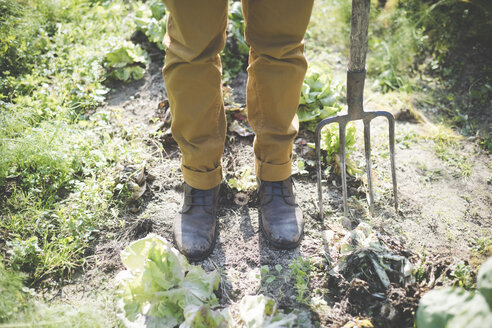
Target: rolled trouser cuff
point(273, 172)
point(202, 180)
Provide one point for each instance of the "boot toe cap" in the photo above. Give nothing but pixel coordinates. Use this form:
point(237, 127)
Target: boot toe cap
point(283, 233)
point(194, 246)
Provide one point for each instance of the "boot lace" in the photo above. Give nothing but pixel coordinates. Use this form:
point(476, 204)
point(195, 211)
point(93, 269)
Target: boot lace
point(197, 197)
point(277, 189)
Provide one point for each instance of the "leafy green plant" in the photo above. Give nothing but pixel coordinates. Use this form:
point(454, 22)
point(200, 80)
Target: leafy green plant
point(330, 142)
point(462, 275)
point(151, 18)
point(456, 307)
point(127, 62)
point(203, 317)
point(260, 311)
point(235, 54)
point(236, 27)
point(320, 96)
point(244, 180)
point(160, 284)
point(299, 271)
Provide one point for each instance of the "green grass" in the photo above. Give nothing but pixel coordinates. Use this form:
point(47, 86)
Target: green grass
point(447, 149)
point(57, 169)
point(21, 307)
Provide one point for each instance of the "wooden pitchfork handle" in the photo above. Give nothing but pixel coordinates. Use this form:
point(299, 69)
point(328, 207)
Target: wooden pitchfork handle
point(359, 28)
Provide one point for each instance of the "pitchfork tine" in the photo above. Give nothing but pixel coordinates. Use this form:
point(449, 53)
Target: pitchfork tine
point(318, 169)
point(342, 126)
point(317, 143)
point(391, 122)
point(367, 148)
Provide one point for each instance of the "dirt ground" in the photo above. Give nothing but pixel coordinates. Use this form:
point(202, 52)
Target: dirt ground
point(442, 213)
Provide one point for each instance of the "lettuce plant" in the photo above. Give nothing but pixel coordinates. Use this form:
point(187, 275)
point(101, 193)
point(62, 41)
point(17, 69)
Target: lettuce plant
point(319, 96)
point(150, 18)
point(162, 288)
point(160, 284)
point(456, 307)
point(127, 62)
point(259, 311)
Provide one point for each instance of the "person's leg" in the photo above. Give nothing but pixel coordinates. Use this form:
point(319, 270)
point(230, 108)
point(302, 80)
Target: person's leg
point(192, 74)
point(275, 31)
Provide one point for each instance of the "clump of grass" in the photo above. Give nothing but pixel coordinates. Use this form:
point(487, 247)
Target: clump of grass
point(395, 44)
point(446, 146)
point(57, 169)
point(14, 295)
point(19, 307)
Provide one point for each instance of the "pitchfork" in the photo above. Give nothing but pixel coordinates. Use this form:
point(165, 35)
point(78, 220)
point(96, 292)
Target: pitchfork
point(356, 75)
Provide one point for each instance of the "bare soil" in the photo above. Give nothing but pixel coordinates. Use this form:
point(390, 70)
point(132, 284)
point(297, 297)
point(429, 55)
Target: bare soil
point(442, 212)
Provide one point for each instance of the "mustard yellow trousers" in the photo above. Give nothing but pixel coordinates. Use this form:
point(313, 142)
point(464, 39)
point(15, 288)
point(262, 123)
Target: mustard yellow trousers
point(196, 33)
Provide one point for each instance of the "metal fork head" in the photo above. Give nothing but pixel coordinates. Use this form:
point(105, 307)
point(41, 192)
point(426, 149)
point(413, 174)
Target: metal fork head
point(342, 121)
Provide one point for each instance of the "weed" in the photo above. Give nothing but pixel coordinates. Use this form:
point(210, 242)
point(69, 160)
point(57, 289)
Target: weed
point(481, 245)
point(267, 278)
point(430, 175)
point(299, 271)
point(406, 138)
point(19, 307)
point(336, 15)
point(463, 275)
point(244, 180)
point(394, 43)
point(420, 269)
point(446, 148)
point(25, 255)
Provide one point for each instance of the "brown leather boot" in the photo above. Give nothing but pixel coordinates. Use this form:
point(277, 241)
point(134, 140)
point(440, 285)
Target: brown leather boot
point(280, 216)
point(195, 228)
